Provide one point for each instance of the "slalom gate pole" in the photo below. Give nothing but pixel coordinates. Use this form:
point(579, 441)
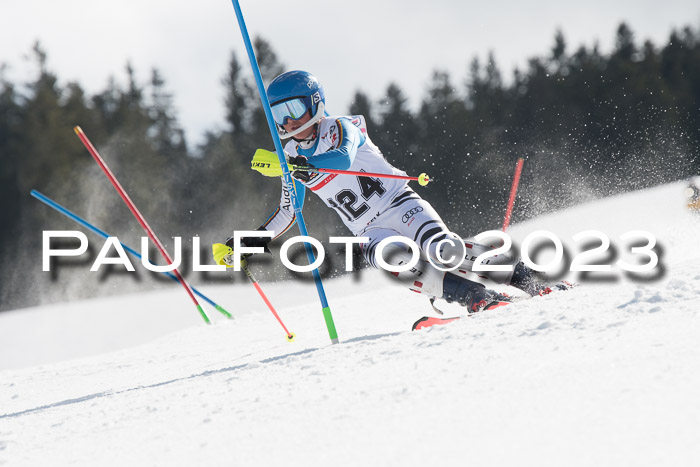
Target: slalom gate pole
point(244, 266)
point(53, 204)
point(332, 333)
point(513, 192)
point(130, 204)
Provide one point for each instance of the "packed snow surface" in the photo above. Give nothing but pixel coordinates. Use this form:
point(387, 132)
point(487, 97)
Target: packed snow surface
point(605, 374)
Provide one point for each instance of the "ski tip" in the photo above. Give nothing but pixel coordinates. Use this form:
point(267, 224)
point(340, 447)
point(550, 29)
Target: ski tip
point(427, 321)
point(419, 324)
point(77, 130)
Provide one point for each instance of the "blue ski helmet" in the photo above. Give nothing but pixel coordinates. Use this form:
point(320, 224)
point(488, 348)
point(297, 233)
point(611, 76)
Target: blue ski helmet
point(292, 95)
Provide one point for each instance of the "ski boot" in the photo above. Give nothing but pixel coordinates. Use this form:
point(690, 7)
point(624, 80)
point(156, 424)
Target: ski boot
point(525, 279)
point(476, 297)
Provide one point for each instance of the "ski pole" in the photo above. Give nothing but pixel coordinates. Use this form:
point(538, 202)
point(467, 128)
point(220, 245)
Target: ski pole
point(423, 179)
point(513, 192)
point(244, 266)
point(325, 307)
point(132, 207)
point(53, 204)
point(267, 163)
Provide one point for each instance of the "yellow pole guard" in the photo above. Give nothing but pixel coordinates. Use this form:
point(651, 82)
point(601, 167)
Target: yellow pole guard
point(267, 163)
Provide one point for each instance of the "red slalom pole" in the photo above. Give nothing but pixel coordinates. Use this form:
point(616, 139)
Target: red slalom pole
point(513, 192)
point(244, 266)
point(130, 204)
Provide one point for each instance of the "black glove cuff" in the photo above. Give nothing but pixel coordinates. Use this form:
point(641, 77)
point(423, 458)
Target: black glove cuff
point(252, 241)
point(300, 160)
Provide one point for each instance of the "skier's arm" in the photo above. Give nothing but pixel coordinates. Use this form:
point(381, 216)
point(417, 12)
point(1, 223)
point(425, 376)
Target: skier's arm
point(284, 217)
point(341, 158)
point(279, 222)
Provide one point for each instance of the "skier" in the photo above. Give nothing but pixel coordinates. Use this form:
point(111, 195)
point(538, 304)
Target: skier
point(375, 208)
point(692, 194)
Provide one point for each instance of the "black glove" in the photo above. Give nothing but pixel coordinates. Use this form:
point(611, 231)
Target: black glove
point(303, 175)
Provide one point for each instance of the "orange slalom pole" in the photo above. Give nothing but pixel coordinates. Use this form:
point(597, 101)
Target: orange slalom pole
point(132, 207)
point(513, 192)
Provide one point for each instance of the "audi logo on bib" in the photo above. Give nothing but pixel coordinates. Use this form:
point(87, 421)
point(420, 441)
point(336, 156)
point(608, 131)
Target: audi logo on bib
point(411, 213)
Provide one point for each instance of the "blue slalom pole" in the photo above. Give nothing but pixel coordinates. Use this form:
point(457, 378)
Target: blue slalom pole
point(285, 170)
point(49, 202)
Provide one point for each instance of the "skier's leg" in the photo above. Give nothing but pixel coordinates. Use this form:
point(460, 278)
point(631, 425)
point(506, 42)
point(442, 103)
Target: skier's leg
point(416, 219)
point(425, 278)
point(473, 250)
point(526, 280)
point(521, 276)
point(422, 278)
point(413, 217)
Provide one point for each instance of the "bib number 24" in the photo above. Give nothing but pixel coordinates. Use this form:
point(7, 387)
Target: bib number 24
point(345, 201)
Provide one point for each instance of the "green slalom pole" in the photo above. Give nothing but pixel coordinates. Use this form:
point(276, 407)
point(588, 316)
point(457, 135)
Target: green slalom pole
point(332, 333)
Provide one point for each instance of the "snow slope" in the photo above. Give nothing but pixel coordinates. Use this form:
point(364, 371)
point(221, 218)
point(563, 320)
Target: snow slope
point(605, 374)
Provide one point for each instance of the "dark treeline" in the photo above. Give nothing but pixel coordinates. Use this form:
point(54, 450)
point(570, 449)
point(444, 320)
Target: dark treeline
point(589, 124)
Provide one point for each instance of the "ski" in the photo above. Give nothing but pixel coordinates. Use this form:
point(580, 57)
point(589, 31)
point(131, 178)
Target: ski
point(428, 321)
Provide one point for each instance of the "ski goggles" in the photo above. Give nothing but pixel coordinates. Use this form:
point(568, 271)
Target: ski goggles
point(292, 109)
